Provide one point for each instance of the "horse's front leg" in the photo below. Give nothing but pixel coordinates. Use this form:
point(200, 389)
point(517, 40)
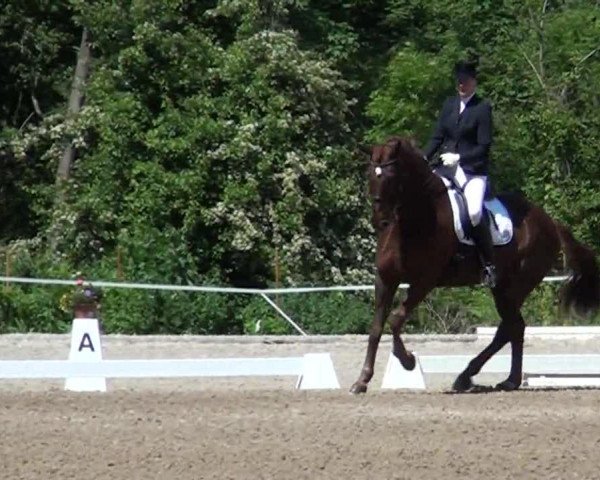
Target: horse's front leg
point(384, 295)
point(415, 294)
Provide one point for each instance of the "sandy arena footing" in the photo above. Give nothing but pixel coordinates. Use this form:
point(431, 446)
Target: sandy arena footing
point(264, 429)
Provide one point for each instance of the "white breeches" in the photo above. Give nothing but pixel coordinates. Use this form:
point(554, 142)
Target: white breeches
point(474, 188)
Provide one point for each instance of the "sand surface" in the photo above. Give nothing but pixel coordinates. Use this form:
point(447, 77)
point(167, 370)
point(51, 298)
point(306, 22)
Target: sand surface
point(263, 428)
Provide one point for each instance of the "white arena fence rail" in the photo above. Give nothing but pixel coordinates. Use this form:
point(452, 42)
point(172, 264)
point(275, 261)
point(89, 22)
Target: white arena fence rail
point(313, 370)
point(263, 292)
point(550, 364)
point(86, 370)
point(580, 332)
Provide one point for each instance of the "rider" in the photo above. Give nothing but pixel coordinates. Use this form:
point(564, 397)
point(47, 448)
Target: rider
point(464, 134)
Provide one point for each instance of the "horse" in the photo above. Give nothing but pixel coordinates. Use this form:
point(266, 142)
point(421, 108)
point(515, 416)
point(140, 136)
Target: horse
point(417, 244)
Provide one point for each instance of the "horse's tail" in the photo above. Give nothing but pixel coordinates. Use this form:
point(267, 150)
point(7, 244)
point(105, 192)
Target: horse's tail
point(581, 293)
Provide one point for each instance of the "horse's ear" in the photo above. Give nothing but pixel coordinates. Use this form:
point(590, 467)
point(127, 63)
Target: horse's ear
point(364, 150)
point(405, 144)
point(397, 146)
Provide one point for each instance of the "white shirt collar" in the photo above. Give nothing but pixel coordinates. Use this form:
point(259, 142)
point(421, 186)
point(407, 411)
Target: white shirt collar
point(465, 101)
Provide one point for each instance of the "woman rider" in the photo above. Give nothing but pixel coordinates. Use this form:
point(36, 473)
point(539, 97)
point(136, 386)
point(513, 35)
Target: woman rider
point(464, 134)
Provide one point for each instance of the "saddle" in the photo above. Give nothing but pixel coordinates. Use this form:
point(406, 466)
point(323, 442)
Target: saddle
point(494, 212)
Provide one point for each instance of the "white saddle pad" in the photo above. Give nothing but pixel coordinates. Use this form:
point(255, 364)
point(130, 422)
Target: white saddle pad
point(501, 226)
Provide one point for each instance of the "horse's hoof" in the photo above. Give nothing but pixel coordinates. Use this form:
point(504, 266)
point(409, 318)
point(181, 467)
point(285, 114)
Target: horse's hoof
point(507, 386)
point(409, 362)
point(358, 387)
point(462, 384)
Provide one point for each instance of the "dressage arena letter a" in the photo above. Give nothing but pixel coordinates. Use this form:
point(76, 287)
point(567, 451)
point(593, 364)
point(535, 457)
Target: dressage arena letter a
point(86, 342)
point(86, 346)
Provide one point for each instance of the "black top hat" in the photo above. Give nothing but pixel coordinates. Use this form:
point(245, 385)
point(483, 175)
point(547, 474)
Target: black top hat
point(465, 69)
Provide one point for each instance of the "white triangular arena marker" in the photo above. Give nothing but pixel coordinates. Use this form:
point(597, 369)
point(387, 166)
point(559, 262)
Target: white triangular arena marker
point(317, 372)
point(397, 377)
point(85, 347)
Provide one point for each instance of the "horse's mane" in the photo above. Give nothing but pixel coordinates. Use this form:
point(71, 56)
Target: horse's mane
point(405, 148)
point(404, 145)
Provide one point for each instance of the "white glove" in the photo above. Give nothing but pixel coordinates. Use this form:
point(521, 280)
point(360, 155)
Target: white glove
point(450, 159)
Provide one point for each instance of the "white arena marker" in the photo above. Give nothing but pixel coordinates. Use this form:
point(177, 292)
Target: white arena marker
point(85, 347)
point(397, 377)
point(317, 372)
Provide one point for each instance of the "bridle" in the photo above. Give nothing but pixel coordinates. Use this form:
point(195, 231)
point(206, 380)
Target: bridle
point(404, 188)
point(379, 166)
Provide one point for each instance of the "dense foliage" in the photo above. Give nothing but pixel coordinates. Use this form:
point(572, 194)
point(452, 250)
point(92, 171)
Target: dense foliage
point(217, 146)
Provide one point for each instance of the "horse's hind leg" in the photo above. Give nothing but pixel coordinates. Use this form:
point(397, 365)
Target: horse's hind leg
point(384, 295)
point(535, 257)
point(463, 382)
point(510, 301)
point(511, 329)
point(517, 334)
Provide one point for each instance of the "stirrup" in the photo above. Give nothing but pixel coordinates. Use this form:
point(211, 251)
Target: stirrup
point(489, 276)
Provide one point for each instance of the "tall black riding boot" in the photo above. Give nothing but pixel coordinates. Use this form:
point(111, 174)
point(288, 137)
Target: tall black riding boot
point(483, 241)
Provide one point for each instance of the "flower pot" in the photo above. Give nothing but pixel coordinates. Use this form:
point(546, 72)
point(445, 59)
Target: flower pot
point(85, 311)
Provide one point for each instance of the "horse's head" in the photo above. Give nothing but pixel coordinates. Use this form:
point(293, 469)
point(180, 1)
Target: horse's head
point(393, 166)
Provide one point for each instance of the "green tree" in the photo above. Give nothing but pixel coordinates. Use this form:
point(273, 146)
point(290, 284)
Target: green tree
point(36, 46)
point(217, 139)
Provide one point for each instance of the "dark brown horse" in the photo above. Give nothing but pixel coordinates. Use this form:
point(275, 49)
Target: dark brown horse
point(416, 244)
